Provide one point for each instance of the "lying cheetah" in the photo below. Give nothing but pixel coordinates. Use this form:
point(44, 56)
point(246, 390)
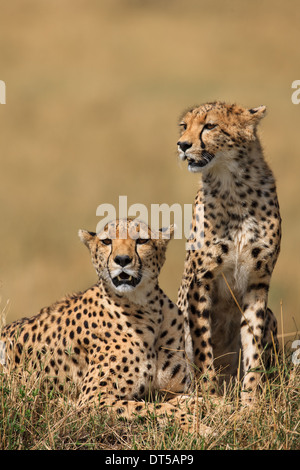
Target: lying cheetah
point(234, 245)
point(118, 340)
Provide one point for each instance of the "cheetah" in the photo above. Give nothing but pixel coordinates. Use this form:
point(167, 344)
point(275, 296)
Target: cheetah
point(234, 244)
point(117, 341)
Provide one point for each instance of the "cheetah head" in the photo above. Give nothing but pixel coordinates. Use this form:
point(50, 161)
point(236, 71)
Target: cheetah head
point(127, 254)
point(213, 132)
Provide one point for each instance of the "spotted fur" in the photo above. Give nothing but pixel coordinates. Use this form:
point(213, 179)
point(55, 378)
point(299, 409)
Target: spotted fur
point(234, 247)
point(117, 341)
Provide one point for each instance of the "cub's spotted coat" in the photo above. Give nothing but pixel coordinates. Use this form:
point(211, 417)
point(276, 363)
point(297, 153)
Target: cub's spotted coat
point(236, 243)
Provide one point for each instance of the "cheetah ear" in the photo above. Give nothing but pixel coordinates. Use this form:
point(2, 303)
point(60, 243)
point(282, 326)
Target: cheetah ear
point(86, 237)
point(256, 114)
point(167, 233)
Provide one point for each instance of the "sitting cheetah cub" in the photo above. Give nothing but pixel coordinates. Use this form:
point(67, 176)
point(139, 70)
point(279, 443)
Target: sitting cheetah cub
point(118, 340)
point(235, 242)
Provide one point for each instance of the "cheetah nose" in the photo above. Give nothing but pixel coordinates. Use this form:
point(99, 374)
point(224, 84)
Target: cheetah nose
point(122, 260)
point(184, 145)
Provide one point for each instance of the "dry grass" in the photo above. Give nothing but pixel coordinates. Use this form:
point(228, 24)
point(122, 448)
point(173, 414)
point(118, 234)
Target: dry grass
point(34, 417)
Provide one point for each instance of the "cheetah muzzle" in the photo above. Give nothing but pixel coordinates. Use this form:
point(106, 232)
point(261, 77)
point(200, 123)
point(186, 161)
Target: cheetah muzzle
point(196, 159)
point(124, 280)
point(196, 165)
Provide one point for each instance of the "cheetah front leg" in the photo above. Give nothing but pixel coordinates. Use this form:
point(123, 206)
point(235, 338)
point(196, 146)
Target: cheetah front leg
point(199, 312)
point(252, 334)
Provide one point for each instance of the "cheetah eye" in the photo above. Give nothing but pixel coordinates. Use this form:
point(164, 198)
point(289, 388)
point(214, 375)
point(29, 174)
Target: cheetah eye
point(106, 241)
point(183, 125)
point(141, 241)
point(209, 126)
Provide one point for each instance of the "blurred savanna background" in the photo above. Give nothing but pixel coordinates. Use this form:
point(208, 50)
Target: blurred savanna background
point(94, 90)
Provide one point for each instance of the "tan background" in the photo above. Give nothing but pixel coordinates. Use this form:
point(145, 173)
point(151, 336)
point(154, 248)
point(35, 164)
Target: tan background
point(94, 92)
